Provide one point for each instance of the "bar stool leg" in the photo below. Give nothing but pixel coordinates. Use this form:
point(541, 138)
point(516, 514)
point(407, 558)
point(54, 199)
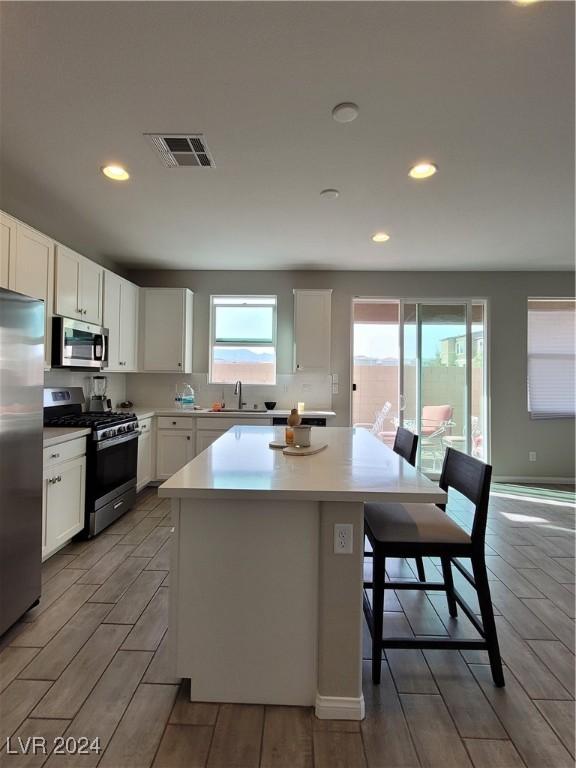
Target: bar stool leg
point(448, 580)
point(378, 577)
point(483, 590)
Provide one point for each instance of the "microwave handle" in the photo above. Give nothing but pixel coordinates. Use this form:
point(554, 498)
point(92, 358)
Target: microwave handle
point(102, 356)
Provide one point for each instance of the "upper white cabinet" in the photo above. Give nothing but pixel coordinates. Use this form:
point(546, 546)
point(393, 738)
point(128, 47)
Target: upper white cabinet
point(121, 319)
point(7, 247)
point(312, 336)
point(79, 284)
point(27, 266)
point(166, 325)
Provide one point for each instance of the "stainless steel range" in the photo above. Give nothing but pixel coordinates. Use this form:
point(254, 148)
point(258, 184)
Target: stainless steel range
point(111, 454)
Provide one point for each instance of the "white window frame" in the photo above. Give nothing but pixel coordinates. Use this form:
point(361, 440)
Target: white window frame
point(253, 298)
point(545, 414)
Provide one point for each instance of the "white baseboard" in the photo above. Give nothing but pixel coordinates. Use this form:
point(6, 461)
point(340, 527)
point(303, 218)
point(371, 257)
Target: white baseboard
point(545, 480)
point(339, 708)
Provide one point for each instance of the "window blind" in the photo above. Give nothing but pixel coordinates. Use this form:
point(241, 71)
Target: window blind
point(551, 358)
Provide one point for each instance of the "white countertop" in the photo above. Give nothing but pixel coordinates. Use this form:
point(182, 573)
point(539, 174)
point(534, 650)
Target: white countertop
point(355, 466)
point(147, 412)
point(56, 435)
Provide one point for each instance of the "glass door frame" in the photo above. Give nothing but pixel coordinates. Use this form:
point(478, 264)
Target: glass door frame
point(468, 303)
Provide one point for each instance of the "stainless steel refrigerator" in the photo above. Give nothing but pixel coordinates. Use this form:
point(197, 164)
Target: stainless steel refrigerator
point(21, 402)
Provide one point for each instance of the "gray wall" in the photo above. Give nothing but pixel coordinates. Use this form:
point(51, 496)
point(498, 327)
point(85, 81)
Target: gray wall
point(513, 432)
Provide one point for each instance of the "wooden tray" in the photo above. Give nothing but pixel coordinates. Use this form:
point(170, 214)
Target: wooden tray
point(292, 450)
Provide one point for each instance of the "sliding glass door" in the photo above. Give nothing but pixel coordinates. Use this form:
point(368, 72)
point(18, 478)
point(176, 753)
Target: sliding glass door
point(421, 364)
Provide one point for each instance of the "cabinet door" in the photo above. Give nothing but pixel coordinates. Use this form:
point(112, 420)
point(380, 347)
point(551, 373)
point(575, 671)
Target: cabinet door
point(163, 330)
point(312, 314)
point(7, 247)
point(91, 275)
point(144, 472)
point(32, 273)
point(206, 437)
point(64, 488)
point(129, 326)
point(174, 449)
point(67, 283)
point(112, 321)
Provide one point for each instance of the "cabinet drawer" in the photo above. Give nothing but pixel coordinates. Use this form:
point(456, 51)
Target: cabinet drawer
point(64, 451)
point(176, 422)
point(223, 423)
point(145, 425)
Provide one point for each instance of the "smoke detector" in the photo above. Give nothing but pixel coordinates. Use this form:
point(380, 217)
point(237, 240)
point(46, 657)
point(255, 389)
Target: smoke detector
point(181, 149)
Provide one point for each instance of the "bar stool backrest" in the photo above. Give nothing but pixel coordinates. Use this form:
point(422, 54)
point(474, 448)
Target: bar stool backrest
point(406, 445)
point(471, 477)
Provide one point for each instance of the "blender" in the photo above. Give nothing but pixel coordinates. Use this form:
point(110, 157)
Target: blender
point(98, 402)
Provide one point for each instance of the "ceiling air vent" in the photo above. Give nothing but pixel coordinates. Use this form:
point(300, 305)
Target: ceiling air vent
point(181, 149)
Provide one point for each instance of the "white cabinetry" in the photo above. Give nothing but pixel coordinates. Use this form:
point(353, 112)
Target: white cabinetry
point(7, 247)
point(210, 428)
point(175, 448)
point(312, 337)
point(63, 493)
point(166, 329)
point(27, 266)
point(121, 319)
point(206, 437)
point(145, 471)
point(78, 286)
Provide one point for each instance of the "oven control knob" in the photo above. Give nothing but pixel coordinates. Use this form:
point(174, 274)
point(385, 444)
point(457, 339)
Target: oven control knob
point(121, 429)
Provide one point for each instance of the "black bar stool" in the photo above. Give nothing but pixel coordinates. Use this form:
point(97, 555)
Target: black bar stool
point(421, 530)
point(405, 445)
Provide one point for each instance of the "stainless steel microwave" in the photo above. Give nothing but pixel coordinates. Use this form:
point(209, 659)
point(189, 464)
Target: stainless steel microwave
point(78, 345)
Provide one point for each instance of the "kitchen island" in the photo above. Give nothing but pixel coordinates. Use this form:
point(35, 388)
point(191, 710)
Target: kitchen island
point(262, 609)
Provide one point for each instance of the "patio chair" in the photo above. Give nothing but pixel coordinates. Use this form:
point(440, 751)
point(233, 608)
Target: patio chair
point(376, 428)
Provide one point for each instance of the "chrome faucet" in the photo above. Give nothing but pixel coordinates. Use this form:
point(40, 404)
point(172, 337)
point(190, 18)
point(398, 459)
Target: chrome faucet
point(238, 391)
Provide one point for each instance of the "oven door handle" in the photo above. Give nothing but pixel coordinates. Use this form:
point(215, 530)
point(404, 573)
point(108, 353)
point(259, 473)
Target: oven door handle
point(103, 444)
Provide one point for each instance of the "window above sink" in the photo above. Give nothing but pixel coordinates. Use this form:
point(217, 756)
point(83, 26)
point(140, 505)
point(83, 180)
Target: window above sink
point(243, 339)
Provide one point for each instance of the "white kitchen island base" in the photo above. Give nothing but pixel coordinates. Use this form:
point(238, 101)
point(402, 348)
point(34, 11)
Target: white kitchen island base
point(248, 583)
point(262, 609)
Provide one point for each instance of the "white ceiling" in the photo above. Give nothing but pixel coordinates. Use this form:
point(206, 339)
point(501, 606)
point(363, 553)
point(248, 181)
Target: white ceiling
point(484, 89)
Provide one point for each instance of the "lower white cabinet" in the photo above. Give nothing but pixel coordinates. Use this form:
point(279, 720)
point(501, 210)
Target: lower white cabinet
point(175, 447)
point(206, 437)
point(145, 471)
point(63, 493)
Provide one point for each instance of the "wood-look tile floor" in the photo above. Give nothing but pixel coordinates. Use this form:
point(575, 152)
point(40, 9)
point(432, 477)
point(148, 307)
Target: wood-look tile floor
point(91, 661)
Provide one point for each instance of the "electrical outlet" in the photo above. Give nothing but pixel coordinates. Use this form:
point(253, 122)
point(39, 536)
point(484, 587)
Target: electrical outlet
point(343, 538)
point(532, 456)
point(334, 389)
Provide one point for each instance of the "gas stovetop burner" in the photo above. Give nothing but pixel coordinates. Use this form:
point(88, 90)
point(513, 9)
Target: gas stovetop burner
point(103, 425)
point(91, 419)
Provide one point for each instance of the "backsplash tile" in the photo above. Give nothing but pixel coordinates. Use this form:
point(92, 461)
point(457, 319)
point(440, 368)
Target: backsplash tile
point(116, 387)
point(159, 389)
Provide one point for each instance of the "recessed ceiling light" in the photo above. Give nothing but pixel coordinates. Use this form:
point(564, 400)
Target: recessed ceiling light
point(380, 237)
point(330, 194)
point(524, 2)
point(115, 172)
point(345, 112)
point(423, 170)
